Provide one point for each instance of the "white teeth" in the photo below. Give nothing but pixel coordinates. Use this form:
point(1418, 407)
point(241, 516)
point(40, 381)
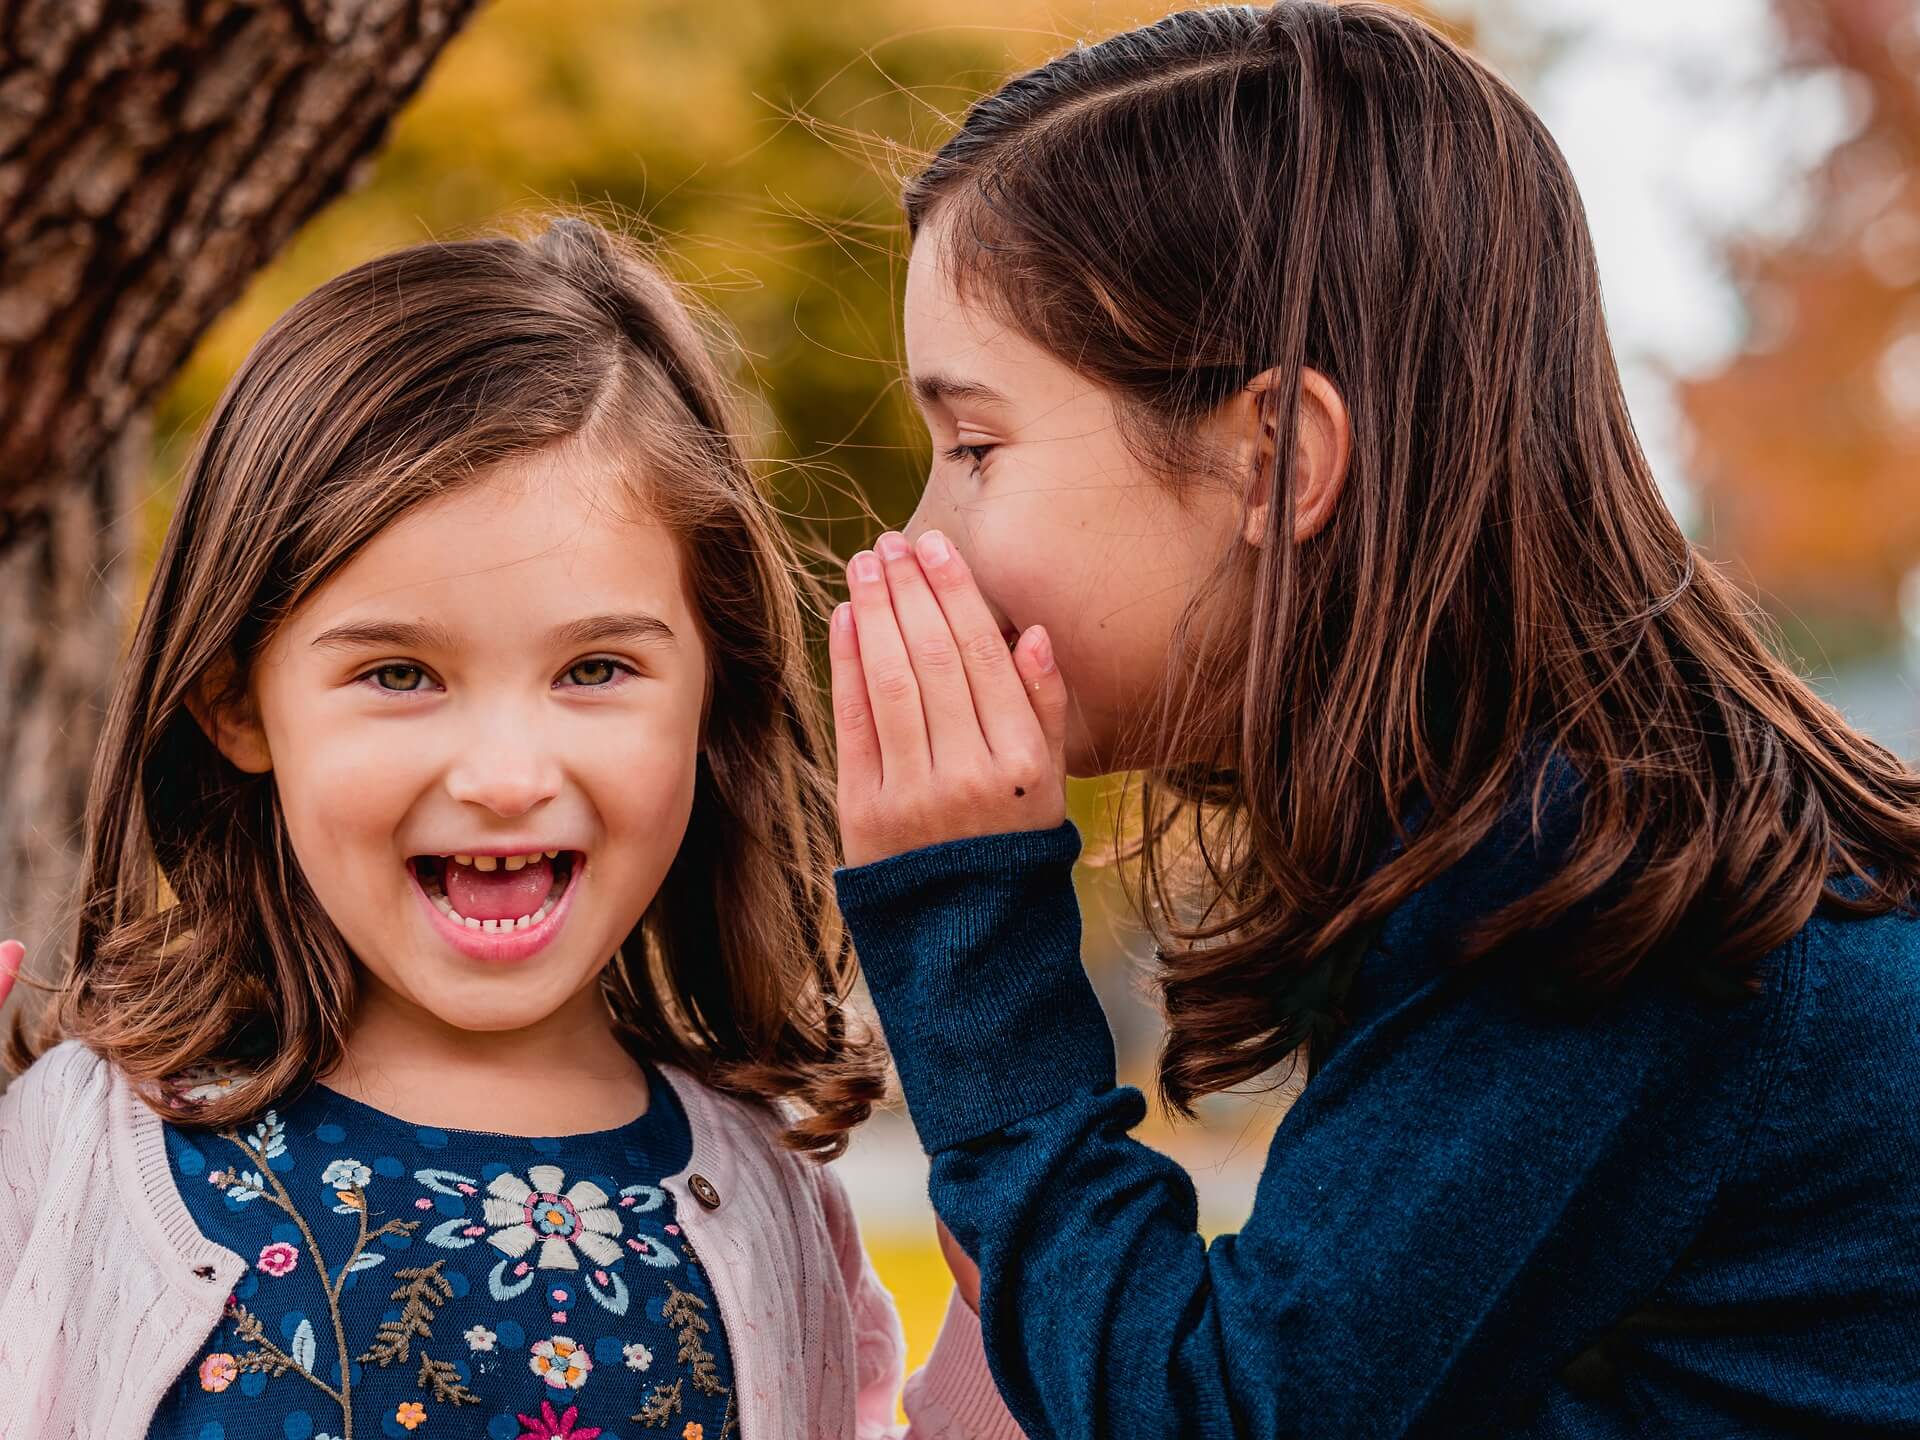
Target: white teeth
point(470, 922)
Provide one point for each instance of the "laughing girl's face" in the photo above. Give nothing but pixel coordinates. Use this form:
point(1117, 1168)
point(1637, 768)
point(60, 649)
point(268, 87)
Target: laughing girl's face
point(484, 732)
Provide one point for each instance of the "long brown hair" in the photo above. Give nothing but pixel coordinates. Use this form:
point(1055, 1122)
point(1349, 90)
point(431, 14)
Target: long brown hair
point(387, 386)
point(1174, 211)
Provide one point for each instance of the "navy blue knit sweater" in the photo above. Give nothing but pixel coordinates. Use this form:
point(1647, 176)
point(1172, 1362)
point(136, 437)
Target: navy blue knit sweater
point(1678, 1217)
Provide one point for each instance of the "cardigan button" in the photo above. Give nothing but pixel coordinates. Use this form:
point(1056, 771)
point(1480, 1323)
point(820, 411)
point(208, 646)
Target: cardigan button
point(703, 1191)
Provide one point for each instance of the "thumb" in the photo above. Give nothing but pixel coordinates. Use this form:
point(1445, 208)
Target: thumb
point(12, 955)
point(1033, 659)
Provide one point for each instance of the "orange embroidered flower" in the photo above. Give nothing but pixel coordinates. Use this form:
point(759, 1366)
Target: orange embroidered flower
point(218, 1371)
point(694, 1431)
point(411, 1414)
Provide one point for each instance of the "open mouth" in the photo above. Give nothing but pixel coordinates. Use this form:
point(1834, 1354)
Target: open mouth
point(496, 894)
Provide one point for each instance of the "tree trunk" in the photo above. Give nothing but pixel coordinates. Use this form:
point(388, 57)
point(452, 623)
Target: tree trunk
point(154, 154)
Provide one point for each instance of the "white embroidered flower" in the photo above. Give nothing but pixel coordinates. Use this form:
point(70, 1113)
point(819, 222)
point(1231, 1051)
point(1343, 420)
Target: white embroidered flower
point(345, 1175)
point(560, 1362)
point(199, 1083)
point(523, 1212)
point(639, 1357)
point(479, 1337)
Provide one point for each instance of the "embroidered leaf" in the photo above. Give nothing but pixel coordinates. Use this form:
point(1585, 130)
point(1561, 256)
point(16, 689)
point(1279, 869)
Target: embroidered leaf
point(269, 1138)
point(443, 1379)
point(660, 1406)
point(644, 1197)
point(682, 1312)
point(421, 1291)
point(447, 1182)
point(447, 1233)
point(366, 1260)
point(303, 1345)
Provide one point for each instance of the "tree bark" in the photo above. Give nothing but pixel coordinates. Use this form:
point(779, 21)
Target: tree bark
point(154, 154)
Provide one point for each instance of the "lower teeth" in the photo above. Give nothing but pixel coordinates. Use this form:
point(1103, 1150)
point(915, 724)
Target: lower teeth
point(489, 927)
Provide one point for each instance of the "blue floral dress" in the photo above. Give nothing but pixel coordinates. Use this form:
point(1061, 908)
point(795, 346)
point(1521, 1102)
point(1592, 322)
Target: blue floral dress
point(406, 1280)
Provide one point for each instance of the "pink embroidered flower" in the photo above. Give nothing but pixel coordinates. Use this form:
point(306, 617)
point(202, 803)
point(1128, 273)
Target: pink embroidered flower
point(279, 1258)
point(555, 1427)
point(218, 1371)
point(549, 1426)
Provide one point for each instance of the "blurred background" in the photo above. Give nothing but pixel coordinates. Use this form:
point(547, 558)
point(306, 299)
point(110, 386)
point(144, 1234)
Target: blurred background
point(169, 184)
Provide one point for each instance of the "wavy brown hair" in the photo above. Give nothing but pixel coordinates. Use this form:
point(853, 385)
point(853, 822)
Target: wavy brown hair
point(390, 385)
point(1181, 208)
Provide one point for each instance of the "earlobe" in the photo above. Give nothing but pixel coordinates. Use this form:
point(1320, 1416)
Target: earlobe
point(227, 716)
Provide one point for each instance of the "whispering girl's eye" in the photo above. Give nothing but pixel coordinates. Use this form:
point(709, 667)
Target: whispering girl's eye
point(405, 678)
point(597, 674)
point(977, 454)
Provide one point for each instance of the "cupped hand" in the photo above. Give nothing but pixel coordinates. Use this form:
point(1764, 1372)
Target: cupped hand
point(944, 733)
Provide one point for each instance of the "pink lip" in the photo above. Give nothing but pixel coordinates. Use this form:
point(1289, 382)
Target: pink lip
point(502, 947)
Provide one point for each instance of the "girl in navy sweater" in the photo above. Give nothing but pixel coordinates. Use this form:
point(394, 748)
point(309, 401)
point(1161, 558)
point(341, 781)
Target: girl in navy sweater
point(1281, 463)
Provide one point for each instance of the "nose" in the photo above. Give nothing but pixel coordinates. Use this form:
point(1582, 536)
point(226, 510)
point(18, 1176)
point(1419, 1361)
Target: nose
point(503, 767)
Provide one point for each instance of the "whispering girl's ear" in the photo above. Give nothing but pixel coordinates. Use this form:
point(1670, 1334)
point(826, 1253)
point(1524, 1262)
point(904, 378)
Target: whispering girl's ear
point(225, 711)
point(1323, 442)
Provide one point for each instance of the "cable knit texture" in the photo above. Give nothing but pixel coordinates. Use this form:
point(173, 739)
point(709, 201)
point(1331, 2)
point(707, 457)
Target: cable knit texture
point(107, 1287)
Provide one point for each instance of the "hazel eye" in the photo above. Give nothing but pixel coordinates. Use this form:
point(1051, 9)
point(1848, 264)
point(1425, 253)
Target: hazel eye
point(597, 674)
point(411, 677)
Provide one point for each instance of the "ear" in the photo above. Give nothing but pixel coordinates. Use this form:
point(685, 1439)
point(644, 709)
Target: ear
point(226, 714)
point(1323, 441)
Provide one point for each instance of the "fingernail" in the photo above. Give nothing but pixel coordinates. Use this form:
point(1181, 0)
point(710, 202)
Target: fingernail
point(934, 549)
point(1042, 650)
point(843, 617)
point(891, 547)
point(865, 567)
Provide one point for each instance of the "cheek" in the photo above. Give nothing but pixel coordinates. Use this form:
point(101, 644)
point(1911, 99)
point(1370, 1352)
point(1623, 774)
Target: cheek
point(639, 779)
point(338, 781)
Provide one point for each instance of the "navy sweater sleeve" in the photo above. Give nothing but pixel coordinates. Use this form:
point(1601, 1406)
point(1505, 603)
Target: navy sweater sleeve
point(1464, 1196)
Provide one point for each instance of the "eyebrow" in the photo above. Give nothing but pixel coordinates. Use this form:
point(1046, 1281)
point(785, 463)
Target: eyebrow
point(934, 389)
point(636, 627)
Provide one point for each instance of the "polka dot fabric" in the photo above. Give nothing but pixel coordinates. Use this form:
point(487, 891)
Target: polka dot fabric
point(520, 1288)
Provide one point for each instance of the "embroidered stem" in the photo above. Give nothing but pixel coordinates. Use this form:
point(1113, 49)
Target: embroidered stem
point(269, 1356)
point(285, 1201)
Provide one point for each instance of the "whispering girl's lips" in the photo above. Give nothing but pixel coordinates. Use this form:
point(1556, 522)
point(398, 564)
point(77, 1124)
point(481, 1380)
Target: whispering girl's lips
point(526, 914)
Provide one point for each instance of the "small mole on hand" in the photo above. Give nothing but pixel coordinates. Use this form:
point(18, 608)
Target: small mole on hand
point(1019, 790)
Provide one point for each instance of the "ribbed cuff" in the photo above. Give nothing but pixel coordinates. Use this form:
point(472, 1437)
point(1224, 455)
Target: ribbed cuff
point(952, 1396)
point(971, 950)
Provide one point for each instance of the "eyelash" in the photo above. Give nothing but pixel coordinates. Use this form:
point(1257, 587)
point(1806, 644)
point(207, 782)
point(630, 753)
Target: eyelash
point(370, 677)
point(976, 453)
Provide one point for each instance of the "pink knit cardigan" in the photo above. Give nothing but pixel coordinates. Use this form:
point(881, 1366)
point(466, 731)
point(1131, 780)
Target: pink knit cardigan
point(107, 1288)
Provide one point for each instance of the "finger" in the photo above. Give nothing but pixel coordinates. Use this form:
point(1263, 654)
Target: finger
point(1047, 692)
point(999, 699)
point(12, 955)
point(892, 692)
point(856, 742)
point(953, 728)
